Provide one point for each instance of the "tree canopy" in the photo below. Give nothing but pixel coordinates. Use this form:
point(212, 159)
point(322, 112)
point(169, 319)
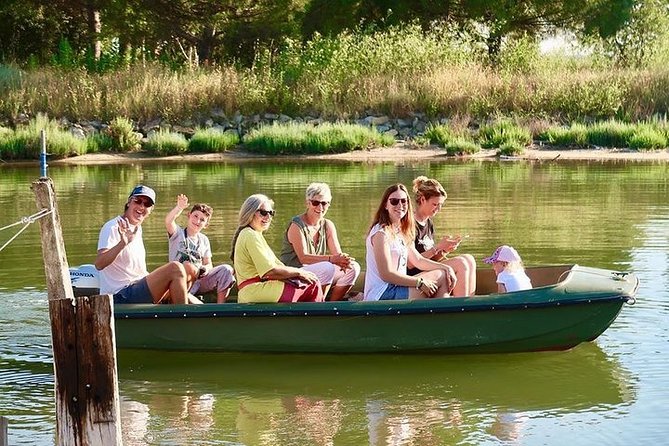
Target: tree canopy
point(217, 31)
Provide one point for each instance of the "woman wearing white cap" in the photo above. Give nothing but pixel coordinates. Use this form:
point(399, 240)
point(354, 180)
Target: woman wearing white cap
point(509, 269)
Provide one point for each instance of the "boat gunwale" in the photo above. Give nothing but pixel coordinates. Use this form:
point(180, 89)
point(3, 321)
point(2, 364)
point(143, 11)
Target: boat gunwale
point(348, 309)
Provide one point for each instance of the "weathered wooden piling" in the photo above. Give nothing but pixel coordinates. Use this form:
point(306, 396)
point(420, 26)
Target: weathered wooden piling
point(3, 432)
point(84, 346)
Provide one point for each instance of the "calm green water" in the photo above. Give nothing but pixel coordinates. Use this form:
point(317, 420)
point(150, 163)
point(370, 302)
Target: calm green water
point(612, 391)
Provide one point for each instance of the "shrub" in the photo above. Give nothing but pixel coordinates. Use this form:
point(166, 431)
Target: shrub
point(123, 136)
point(212, 141)
point(462, 146)
point(165, 143)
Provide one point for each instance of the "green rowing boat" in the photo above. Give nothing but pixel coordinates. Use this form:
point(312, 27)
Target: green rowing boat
point(570, 304)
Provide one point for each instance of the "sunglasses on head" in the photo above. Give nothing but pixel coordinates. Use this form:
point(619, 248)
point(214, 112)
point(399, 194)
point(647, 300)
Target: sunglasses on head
point(143, 201)
point(315, 203)
point(396, 201)
point(265, 213)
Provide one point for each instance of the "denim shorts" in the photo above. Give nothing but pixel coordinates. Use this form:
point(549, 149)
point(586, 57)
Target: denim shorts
point(395, 292)
point(135, 293)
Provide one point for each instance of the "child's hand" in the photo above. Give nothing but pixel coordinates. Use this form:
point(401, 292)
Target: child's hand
point(182, 201)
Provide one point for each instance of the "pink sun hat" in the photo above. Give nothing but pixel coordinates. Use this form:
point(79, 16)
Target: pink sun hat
point(504, 253)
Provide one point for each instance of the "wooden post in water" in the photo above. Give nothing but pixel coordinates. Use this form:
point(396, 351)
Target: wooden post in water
point(84, 347)
point(4, 441)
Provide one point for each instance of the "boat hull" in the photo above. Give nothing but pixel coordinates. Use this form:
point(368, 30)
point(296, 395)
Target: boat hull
point(553, 317)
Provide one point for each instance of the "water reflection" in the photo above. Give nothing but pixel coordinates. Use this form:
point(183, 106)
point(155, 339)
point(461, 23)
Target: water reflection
point(328, 399)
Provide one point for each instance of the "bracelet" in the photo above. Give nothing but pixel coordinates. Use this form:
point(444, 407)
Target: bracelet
point(419, 283)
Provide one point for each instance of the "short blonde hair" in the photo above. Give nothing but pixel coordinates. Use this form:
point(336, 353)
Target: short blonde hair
point(315, 189)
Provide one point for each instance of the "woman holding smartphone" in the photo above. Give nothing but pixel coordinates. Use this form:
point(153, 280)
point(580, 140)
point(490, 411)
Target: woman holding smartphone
point(429, 196)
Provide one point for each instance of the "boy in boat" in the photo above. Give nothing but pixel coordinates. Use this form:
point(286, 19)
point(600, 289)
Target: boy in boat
point(509, 269)
point(191, 247)
point(121, 259)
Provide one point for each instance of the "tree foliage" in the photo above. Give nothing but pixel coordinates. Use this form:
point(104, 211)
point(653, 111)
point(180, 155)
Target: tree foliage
point(215, 31)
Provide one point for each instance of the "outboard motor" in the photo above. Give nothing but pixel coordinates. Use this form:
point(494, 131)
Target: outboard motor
point(85, 280)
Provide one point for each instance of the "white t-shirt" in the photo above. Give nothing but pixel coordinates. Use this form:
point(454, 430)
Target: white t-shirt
point(129, 266)
point(514, 280)
point(374, 285)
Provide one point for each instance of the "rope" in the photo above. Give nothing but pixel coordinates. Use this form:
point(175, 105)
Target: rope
point(26, 222)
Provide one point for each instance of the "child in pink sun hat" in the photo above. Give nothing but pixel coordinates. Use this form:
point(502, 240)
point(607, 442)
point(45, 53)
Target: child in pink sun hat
point(509, 269)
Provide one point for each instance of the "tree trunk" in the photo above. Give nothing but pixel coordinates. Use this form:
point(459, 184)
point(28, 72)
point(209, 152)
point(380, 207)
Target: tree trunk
point(94, 29)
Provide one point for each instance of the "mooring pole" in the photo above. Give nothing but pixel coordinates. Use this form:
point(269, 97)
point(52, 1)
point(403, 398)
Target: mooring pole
point(3, 432)
point(84, 347)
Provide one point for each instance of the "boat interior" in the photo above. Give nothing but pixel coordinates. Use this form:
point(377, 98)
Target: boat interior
point(485, 281)
point(539, 275)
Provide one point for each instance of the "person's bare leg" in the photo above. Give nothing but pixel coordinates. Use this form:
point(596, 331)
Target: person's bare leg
point(222, 296)
point(465, 270)
point(338, 292)
point(168, 281)
point(438, 276)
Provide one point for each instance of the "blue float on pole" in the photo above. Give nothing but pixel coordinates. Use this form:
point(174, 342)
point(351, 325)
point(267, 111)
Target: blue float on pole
point(42, 159)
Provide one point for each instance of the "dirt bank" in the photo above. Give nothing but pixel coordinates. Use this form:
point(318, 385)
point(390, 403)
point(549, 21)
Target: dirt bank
point(399, 152)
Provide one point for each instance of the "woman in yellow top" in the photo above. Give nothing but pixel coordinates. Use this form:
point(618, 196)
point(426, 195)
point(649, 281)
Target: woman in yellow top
point(261, 276)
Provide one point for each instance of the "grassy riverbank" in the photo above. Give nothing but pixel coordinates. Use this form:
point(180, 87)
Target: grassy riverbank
point(504, 137)
point(464, 104)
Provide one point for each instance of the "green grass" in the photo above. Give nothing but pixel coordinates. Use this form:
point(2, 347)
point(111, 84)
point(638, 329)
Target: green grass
point(648, 138)
point(212, 141)
point(503, 132)
point(25, 143)
point(610, 134)
point(281, 139)
point(165, 143)
point(511, 148)
point(462, 146)
point(439, 134)
point(572, 136)
point(122, 135)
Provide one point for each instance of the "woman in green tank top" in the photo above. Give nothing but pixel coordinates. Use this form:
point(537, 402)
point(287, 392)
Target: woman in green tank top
point(311, 242)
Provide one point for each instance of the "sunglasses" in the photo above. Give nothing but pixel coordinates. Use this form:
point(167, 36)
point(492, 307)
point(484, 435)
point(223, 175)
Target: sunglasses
point(315, 203)
point(396, 201)
point(144, 202)
point(265, 213)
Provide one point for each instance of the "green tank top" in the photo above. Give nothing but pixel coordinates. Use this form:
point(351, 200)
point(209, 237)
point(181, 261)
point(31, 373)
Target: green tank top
point(288, 256)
